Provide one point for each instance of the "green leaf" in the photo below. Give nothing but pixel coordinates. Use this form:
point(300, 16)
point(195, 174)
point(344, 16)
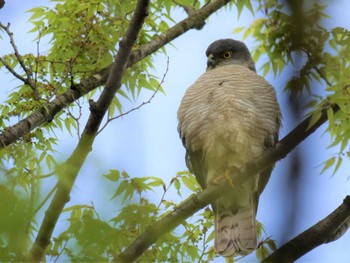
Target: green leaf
point(75, 207)
point(314, 118)
point(191, 183)
point(156, 181)
point(339, 162)
point(177, 186)
point(123, 187)
point(328, 164)
point(37, 13)
point(344, 143)
point(266, 69)
point(50, 161)
point(125, 175)
point(271, 244)
point(249, 6)
point(113, 175)
point(68, 123)
point(238, 30)
point(210, 237)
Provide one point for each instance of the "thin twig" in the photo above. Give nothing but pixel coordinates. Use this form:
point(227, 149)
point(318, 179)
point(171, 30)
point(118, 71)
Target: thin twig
point(28, 80)
point(45, 175)
point(143, 103)
point(204, 246)
point(37, 209)
point(165, 190)
point(76, 119)
point(33, 192)
point(11, 70)
point(94, 209)
point(320, 73)
point(37, 59)
point(62, 250)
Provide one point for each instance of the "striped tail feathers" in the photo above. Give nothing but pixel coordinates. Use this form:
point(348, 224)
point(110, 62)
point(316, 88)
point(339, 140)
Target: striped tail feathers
point(235, 234)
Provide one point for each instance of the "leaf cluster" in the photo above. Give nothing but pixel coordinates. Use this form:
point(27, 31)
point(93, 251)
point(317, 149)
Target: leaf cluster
point(89, 238)
point(297, 40)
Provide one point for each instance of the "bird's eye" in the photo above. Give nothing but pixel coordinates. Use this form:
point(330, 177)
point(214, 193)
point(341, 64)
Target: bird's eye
point(227, 54)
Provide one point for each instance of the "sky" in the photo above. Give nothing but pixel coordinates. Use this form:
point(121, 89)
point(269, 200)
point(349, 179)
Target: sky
point(146, 142)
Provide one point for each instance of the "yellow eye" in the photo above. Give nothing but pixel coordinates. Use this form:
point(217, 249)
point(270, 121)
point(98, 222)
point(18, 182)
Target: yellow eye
point(227, 54)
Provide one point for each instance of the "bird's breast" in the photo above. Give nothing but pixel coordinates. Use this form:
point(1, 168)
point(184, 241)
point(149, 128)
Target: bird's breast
point(227, 112)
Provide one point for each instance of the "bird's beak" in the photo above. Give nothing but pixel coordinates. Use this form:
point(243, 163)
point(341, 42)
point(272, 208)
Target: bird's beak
point(211, 62)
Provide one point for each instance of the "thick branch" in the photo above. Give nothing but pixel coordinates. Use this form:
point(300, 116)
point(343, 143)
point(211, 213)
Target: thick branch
point(320, 233)
point(207, 196)
point(76, 160)
point(48, 111)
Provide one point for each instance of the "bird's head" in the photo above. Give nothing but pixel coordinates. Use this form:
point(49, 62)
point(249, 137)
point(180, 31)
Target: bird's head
point(227, 52)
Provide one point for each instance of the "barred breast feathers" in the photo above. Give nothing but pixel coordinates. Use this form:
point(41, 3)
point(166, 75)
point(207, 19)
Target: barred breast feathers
point(231, 92)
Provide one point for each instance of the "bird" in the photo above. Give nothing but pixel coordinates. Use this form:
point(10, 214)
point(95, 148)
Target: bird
point(227, 117)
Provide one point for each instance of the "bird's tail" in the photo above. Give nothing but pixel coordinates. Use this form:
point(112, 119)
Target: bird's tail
point(235, 234)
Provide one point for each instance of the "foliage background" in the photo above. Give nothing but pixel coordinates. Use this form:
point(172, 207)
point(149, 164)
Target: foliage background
point(145, 142)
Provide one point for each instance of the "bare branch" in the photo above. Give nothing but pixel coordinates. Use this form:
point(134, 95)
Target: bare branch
point(320, 233)
point(12, 71)
point(211, 193)
point(48, 111)
point(78, 157)
point(29, 81)
point(143, 103)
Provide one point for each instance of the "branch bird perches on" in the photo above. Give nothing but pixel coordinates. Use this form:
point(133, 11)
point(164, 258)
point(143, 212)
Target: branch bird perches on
point(211, 193)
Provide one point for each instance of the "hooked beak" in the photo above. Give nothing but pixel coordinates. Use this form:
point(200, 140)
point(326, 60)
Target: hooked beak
point(211, 62)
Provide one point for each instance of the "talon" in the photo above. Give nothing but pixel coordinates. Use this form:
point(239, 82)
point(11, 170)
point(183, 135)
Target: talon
point(216, 180)
point(229, 178)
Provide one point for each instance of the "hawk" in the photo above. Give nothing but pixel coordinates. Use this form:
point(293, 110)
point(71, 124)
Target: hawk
point(228, 117)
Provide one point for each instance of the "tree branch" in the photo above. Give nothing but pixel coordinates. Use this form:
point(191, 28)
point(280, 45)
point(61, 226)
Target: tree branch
point(325, 231)
point(78, 157)
point(11, 70)
point(48, 111)
point(28, 81)
point(142, 104)
point(207, 196)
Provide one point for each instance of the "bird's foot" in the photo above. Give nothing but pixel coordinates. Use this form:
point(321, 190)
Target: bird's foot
point(228, 175)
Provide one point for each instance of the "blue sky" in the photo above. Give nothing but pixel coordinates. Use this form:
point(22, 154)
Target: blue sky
point(146, 143)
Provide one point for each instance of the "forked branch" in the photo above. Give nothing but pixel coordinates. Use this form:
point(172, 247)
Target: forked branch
point(28, 80)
